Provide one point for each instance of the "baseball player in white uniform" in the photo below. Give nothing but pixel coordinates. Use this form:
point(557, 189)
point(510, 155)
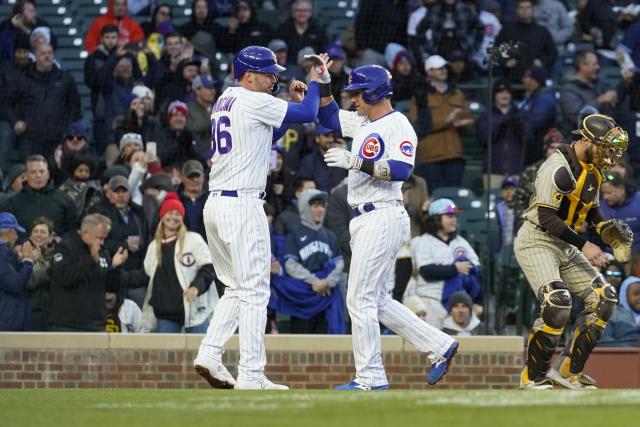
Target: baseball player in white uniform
point(243, 124)
point(381, 157)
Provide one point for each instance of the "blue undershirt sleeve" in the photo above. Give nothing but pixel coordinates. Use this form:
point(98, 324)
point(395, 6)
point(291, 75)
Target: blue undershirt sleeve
point(279, 132)
point(307, 110)
point(400, 171)
point(329, 117)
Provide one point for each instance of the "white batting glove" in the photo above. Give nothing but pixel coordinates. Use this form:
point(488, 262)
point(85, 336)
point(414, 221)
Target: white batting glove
point(320, 64)
point(341, 158)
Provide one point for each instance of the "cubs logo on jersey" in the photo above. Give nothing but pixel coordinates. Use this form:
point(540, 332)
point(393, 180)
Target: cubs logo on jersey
point(372, 148)
point(406, 148)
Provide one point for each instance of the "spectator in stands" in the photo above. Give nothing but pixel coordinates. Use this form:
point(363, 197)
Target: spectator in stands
point(507, 154)
point(338, 217)
point(462, 321)
point(137, 120)
point(279, 187)
point(623, 329)
point(15, 270)
point(290, 217)
point(621, 200)
point(585, 90)
point(24, 18)
point(449, 26)
point(400, 63)
point(415, 196)
point(117, 79)
point(553, 15)
point(128, 230)
point(177, 144)
point(301, 29)
point(38, 36)
point(205, 90)
point(173, 52)
point(461, 70)
point(337, 70)
point(378, 23)
point(146, 95)
point(121, 154)
point(141, 165)
point(41, 235)
point(614, 274)
point(42, 104)
point(539, 110)
point(536, 44)
point(14, 180)
point(244, 29)
point(507, 220)
point(489, 15)
point(201, 20)
point(161, 13)
point(92, 78)
point(75, 144)
point(178, 85)
point(443, 261)
point(180, 270)
point(129, 31)
point(628, 50)
point(193, 196)
point(80, 271)
point(154, 189)
point(39, 197)
point(596, 22)
point(80, 187)
point(313, 258)
point(280, 48)
point(123, 315)
point(11, 72)
point(440, 151)
point(313, 165)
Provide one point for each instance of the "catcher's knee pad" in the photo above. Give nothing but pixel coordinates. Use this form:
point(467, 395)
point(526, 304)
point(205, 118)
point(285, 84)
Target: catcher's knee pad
point(584, 338)
point(601, 299)
point(555, 304)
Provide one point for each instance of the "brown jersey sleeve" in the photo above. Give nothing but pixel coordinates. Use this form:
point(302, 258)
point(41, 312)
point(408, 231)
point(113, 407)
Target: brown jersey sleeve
point(553, 224)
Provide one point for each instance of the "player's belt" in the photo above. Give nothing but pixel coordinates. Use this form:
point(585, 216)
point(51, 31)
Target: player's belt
point(234, 193)
point(368, 207)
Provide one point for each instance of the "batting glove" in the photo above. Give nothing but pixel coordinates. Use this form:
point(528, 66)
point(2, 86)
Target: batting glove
point(321, 68)
point(341, 158)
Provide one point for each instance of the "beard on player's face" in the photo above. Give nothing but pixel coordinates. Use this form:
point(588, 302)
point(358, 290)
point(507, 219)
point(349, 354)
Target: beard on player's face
point(362, 107)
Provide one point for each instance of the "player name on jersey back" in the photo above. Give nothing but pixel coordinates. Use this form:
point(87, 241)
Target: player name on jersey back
point(242, 123)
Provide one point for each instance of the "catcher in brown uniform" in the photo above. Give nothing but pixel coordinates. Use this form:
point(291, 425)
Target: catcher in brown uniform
point(558, 262)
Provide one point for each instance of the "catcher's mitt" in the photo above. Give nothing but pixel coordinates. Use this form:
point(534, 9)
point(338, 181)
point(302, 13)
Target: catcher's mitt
point(619, 236)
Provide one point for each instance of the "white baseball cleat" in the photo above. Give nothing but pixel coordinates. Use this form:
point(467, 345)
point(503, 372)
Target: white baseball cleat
point(259, 384)
point(214, 372)
point(572, 382)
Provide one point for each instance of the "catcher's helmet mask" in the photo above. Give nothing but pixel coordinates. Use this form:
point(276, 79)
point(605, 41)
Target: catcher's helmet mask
point(609, 138)
point(257, 59)
point(373, 81)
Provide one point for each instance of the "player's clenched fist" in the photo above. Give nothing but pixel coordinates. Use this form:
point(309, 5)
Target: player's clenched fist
point(341, 158)
point(297, 90)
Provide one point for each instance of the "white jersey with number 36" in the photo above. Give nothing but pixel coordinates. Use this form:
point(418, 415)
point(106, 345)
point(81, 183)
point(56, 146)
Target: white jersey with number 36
point(242, 123)
point(391, 137)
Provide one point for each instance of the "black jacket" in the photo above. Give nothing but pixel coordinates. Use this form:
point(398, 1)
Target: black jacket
point(47, 102)
point(535, 43)
point(78, 285)
point(315, 36)
point(176, 148)
point(29, 204)
point(92, 66)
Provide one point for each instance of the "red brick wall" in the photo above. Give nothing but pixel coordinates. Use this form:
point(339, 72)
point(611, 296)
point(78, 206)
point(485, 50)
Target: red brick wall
point(302, 370)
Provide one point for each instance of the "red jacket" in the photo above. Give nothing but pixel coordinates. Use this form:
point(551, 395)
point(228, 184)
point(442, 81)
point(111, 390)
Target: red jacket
point(129, 30)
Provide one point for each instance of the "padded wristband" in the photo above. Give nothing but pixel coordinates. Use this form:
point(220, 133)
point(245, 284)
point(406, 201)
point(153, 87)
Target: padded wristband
point(367, 166)
point(325, 89)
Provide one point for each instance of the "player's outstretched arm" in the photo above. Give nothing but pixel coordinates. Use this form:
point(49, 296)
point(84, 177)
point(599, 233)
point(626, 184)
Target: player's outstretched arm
point(385, 170)
point(307, 110)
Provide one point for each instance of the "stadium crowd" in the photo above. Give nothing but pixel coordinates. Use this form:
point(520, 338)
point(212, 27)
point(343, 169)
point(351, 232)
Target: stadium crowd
point(101, 222)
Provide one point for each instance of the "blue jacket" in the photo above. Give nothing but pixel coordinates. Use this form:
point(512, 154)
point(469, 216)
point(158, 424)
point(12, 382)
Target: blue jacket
point(622, 329)
point(629, 212)
point(470, 284)
point(539, 111)
point(313, 167)
point(14, 300)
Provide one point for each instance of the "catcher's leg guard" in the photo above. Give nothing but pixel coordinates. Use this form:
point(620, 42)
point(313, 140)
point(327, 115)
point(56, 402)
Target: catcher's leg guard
point(600, 302)
point(555, 309)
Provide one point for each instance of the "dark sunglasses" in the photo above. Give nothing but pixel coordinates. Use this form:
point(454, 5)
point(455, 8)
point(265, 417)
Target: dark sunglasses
point(613, 273)
point(76, 137)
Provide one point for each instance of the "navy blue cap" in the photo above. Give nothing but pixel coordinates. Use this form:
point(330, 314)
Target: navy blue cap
point(321, 130)
point(76, 129)
point(509, 181)
point(7, 220)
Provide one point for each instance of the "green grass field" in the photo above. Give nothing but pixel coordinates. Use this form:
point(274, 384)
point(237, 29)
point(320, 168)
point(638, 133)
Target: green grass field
point(191, 408)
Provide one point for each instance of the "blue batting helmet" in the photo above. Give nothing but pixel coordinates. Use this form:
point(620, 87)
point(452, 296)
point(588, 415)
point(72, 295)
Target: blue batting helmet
point(255, 58)
point(373, 80)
